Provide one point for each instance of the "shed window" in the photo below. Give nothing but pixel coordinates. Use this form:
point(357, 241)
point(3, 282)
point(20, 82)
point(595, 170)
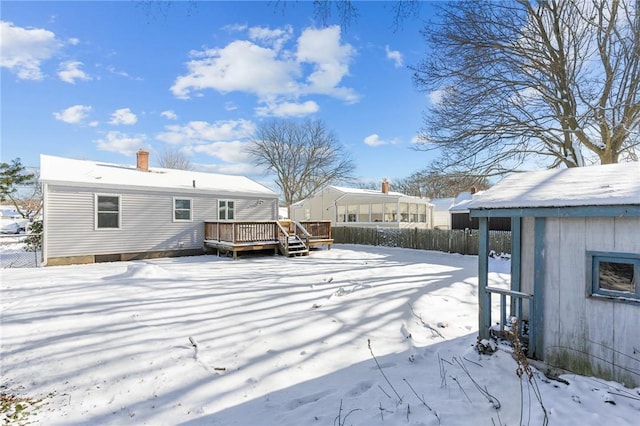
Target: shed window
point(226, 209)
point(615, 275)
point(181, 209)
point(107, 211)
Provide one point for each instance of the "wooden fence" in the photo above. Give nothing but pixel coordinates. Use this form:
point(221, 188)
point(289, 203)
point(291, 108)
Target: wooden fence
point(452, 241)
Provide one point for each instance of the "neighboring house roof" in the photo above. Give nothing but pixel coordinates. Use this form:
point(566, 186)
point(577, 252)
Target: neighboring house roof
point(605, 185)
point(461, 202)
point(442, 204)
point(92, 173)
point(360, 191)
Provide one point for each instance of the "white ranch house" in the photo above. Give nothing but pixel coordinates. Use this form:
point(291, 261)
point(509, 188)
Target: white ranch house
point(575, 266)
point(96, 211)
point(357, 207)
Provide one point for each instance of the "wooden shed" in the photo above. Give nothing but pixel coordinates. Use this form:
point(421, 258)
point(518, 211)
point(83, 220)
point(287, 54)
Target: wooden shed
point(575, 266)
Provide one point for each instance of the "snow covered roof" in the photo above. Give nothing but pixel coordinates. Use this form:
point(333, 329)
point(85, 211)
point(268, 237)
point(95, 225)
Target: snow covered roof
point(92, 173)
point(612, 184)
point(361, 191)
point(442, 204)
point(462, 201)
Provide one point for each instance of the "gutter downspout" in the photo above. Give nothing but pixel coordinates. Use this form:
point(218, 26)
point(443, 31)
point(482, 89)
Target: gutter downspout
point(45, 197)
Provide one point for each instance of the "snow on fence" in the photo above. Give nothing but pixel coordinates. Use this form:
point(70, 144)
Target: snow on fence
point(451, 241)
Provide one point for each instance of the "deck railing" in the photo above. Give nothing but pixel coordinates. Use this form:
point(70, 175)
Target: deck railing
point(240, 232)
point(262, 231)
point(319, 229)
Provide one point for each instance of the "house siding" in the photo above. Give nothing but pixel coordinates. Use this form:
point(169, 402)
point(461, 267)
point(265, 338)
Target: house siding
point(147, 224)
point(584, 334)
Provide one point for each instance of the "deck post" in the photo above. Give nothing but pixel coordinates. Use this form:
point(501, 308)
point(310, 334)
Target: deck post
point(536, 322)
point(516, 259)
point(484, 297)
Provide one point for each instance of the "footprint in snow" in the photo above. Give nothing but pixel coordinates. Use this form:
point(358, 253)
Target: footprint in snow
point(359, 389)
point(298, 402)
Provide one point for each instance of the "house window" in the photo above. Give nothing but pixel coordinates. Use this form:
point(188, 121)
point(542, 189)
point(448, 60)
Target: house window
point(615, 275)
point(107, 211)
point(226, 209)
point(413, 213)
point(181, 209)
point(363, 216)
point(390, 212)
point(422, 213)
point(352, 213)
point(342, 213)
point(376, 212)
point(404, 212)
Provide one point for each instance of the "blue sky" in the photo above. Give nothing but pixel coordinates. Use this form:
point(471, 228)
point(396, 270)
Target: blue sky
point(99, 80)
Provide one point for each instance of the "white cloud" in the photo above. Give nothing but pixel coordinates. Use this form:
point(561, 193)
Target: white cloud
point(73, 41)
point(119, 142)
point(70, 71)
point(240, 66)
point(74, 114)
point(224, 140)
point(272, 37)
point(240, 169)
point(261, 66)
point(330, 60)
point(123, 116)
point(374, 140)
point(22, 50)
point(202, 132)
point(435, 97)
point(169, 115)
point(395, 56)
point(230, 152)
point(288, 109)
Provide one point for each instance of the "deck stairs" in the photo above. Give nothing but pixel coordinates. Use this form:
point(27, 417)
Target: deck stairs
point(294, 247)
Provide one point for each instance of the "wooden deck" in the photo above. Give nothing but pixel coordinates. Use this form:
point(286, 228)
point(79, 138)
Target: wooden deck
point(287, 237)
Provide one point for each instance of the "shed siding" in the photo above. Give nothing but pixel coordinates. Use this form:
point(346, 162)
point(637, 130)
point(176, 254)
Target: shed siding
point(146, 221)
point(582, 332)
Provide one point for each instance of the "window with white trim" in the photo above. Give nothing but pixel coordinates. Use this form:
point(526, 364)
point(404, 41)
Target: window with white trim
point(226, 209)
point(182, 209)
point(107, 208)
point(615, 275)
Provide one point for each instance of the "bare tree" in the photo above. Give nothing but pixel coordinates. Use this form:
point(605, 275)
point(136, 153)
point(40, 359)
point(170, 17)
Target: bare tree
point(174, 159)
point(432, 184)
point(345, 12)
point(554, 80)
point(305, 156)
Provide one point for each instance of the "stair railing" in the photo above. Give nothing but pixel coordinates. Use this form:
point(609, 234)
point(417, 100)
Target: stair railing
point(283, 238)
point(302, 234)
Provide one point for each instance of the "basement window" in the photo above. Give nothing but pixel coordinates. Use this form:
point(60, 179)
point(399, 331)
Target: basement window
point(615, 275)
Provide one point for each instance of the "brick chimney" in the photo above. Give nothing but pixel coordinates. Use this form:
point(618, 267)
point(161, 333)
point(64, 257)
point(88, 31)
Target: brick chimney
point(473, 190)
point(385, 186)
point(143, 160)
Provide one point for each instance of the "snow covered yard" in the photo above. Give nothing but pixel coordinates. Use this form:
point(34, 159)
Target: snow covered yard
point(356, 335)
